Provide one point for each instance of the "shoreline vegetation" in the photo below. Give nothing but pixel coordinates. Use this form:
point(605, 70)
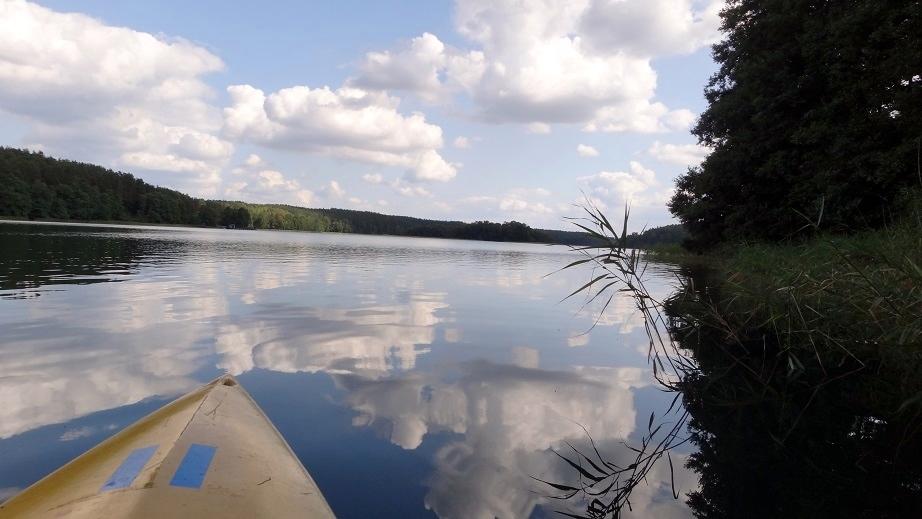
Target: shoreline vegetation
point(797, 364)
point(795, 344)
point(40, 188)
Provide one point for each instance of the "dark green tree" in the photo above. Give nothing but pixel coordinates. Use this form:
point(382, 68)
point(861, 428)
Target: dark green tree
point(159, 207)
point(59, 209)
point(242, 218)
point(209, 214)
point(815, 104)
point(42, 199)
point(15, 199)
point(228, 216)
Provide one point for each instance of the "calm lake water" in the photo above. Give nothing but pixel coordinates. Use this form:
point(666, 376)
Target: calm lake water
point(413, 377)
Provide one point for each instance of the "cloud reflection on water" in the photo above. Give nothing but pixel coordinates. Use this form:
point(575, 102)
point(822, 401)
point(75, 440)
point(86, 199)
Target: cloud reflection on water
point(370, 340)
point(507, 418)
point(419, 342)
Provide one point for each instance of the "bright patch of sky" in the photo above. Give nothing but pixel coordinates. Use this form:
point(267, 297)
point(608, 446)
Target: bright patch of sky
point(472, 109)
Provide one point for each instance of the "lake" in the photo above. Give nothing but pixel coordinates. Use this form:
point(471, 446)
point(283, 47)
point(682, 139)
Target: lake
point(412, 377)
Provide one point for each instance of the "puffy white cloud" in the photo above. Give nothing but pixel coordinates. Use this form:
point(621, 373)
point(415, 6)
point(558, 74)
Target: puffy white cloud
point(575, 341)
point(461, 143)
point(202, 146)
point(626, 184)
point(253, 160)
point(584, 150)
point(538, 128)
point(517, 205)
point(514, 203)
point(373, 178)
point(336, 189)
point(542, 62)
point(273, 179)
point(550, 78)
point(681, 154)
point(638, 187)
point(478, 199)
point(349, 123)
point(332, 190)
point(255, 181)
point(651, 27)
point(416, 67)
point(522, 200)
point(442, 206)
point(59, 66)
point(431, 166)
point(111, 94)
point(409, 189)
point(640, 117)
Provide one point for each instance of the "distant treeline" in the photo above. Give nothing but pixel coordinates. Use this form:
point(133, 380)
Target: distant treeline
point(672, 234)
point(367, 222)
point(36, 187)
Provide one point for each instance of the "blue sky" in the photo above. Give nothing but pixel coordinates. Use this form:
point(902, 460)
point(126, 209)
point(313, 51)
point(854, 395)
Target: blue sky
point(473, 109)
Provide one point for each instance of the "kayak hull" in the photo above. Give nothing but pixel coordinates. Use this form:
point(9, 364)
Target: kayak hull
point(210, 453)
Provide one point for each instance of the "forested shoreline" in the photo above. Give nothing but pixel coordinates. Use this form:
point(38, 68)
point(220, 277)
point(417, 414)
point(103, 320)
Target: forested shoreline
point(37, 187)
point(794, 341)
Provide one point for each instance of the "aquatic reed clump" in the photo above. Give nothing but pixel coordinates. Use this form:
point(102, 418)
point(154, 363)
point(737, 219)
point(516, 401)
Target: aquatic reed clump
point(618, 270)
point(800, 358)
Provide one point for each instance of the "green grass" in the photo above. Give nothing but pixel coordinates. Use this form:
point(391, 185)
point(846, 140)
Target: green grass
point(823, 311)
point(857, 291)
point(670, 253)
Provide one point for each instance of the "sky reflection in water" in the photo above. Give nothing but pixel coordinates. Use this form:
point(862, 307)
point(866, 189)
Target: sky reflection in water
point(413, 377)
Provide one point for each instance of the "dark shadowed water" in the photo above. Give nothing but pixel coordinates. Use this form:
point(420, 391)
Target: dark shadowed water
point(413, 377)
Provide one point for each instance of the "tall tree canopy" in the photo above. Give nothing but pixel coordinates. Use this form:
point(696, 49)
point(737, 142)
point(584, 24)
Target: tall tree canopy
point(816, 103)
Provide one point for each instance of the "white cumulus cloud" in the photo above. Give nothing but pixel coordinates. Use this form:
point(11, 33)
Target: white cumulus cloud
point(518, 205)
point(373, 178)
point(638, 187)
point(349, 123)
point(651, 27)
point(542, 62)
point(514, 203)
point(253, 160)
point(415, 66)
point(410, 189)
point(681, 154)
point(332, 190)
point(538, 128)
point(111, 94)
point(255, 181)
point(584, 150)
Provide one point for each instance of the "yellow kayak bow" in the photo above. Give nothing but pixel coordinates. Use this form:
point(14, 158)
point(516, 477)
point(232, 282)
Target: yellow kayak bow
point(210, 453)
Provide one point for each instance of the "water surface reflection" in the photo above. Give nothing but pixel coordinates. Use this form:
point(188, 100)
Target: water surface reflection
point(413, 377)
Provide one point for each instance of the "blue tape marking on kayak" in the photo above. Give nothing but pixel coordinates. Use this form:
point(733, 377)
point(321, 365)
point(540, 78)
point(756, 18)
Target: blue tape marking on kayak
point(194, 466)
point(129, 469)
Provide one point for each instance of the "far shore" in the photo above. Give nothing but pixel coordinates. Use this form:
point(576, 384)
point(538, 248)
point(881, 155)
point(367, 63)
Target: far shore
point(126, 224)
